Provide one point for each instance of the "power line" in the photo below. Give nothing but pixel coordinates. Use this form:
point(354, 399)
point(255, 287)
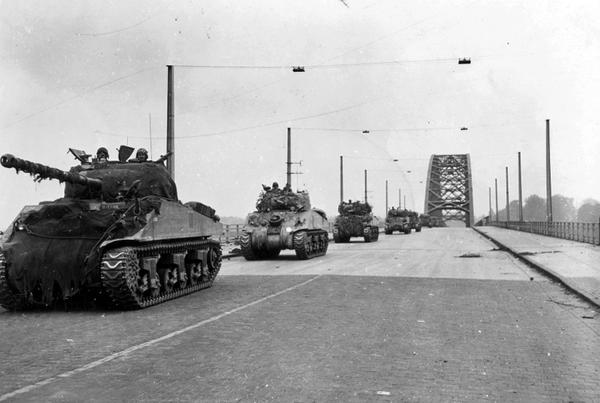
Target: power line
point(55, 105)
point(315, 66)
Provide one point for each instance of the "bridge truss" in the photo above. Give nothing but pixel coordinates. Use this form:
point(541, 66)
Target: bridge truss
point(449, 192)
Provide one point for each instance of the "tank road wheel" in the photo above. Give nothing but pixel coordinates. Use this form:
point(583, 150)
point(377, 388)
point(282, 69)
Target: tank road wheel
point(388, 231)
point(140, 276)
point(8, 299)
point(246, 247)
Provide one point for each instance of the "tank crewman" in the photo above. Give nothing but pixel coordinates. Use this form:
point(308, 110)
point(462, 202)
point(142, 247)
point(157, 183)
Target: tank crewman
point(287, 188)
point(275, 187)
point(141, 155)
point(102, 154)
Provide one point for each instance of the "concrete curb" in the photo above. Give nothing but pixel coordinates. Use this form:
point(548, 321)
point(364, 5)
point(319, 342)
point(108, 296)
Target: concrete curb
point(544, 270)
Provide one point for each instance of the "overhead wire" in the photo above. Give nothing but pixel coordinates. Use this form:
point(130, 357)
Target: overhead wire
point(83, 93)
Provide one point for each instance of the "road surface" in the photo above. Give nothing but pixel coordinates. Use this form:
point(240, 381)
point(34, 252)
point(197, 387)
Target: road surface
point(437, 315)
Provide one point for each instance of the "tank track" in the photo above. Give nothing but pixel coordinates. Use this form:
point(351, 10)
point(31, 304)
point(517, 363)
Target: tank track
point(119, 273)
point(8, 299)
point(309, 244)
point(371, 233)
point(251, 254)
point(246, 247)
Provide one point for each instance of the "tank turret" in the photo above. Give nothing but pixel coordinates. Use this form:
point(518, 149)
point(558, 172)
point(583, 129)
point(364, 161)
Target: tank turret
point(41, 172)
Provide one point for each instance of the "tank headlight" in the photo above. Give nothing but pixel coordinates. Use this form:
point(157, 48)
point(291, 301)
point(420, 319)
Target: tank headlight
point(288, 229)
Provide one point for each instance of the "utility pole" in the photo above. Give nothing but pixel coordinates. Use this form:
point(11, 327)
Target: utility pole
point(365, 185)
point(507, 198)
point(496, 186)
point(386, 196)
point(341, 178)
point(400, 198)
point(404, 201)
point(490, 199)
point(289, 158)
point(548, 175)
point(170, 123)
point(520, 192)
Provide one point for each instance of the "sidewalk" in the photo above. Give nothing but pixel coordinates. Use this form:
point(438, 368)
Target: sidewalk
point(575, 264)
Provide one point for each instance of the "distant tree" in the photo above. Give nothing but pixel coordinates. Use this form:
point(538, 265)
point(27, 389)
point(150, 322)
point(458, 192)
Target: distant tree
point(534, 208)
point(589, 211)
point(563, 208)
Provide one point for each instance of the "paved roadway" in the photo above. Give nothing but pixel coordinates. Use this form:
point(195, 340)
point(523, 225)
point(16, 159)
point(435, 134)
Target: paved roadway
point(432, 316)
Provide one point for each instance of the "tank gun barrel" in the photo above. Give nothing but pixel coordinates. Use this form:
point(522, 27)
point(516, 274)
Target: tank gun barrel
point(40, 171)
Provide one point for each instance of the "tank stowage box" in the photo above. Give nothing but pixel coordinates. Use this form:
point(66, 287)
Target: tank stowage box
point(284, 220)
point(118, 236)
point(355, 220)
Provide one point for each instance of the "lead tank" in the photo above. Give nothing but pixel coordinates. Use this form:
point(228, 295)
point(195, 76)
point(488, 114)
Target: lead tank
point(355, 220)
point(284, 220)
point(119, 236)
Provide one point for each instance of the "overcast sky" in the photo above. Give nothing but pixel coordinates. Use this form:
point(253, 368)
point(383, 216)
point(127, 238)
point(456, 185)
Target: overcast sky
point(85, 74)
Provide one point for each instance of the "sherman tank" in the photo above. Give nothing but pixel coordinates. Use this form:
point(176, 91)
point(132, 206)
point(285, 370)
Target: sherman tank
point(119, 236)
point(284, 220)
point(355, 220)
point(397, 219)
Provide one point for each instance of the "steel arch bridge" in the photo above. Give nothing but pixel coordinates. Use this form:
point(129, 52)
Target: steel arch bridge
point(449, 192)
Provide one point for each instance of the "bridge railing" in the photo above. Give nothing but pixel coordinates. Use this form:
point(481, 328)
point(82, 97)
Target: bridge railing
point(588, 232)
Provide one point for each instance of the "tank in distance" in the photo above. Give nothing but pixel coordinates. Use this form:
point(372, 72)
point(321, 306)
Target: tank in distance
point(355, 219)
point(284, 219)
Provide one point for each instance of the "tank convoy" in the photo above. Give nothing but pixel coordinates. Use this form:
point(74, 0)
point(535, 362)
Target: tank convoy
point(284, 220)
point(119, 236)
point(355, 219)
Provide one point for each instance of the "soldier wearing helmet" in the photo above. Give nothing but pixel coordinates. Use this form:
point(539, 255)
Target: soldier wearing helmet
point(102, 154)
point(141, 155)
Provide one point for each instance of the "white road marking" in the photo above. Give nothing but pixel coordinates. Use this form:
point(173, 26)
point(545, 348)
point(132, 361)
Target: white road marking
point(130, 350)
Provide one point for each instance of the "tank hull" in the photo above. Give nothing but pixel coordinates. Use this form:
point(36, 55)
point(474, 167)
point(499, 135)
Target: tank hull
point(400, 224)
point(267, 233)
point(66, 249)
point(348, 226)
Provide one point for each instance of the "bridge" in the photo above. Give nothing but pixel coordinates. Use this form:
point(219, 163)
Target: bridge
point(442, 314)
point(449, 190)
